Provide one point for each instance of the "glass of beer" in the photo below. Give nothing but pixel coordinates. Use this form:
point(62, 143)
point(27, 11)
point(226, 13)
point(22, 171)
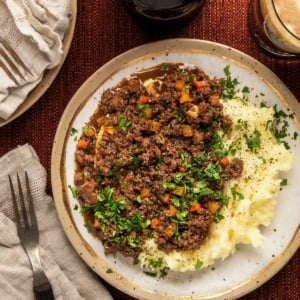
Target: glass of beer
point(167, 12)
point(275, 25)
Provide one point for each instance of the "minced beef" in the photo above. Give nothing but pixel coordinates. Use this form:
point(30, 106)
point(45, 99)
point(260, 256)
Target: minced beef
point(149, 163)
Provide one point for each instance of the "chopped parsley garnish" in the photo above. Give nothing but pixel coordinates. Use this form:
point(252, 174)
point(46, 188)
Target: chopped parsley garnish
point(280, 126)
point(85, 129)
point(198, 264)
point(123, 123)
point(245, 90)
point(156, 267)
point(236, 195)
point(73, 133)
point(253, 140)
point(218, 217)
point(284, 182)
point(163, 66)
point(228, 84)
point(295, 135)
point(109, 210)
point(73, 191)
point(88, 227)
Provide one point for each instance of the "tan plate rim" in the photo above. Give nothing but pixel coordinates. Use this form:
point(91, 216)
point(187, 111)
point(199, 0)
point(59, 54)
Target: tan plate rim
point(59, 186)
point(50, 75)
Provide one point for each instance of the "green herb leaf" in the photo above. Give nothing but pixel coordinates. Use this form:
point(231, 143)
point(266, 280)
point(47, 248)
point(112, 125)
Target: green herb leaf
point(198, 264)
point(73, 191)
point(123, 123)
point(236, 195)
point(228, 84)
point(253, 141)
point(284, 182)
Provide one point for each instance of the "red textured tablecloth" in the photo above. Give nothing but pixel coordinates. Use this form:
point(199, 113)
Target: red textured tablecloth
point(103, 30)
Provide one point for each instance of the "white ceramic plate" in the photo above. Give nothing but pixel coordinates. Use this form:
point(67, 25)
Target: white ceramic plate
point(50, 75)
point(224, 279)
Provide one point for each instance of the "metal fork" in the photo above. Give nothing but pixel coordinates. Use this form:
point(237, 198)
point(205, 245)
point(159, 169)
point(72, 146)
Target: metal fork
point(29, 235)
point(11, 63)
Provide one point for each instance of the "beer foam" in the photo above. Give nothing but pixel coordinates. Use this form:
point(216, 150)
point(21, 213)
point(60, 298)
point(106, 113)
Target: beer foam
point(282, 24)
point(289, 13)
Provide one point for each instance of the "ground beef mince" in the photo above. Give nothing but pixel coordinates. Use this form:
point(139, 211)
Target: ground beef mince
point(151, 163)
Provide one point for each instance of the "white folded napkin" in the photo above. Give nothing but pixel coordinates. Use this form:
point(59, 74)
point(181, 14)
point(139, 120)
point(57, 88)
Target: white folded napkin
point(70, 277)
point(31, 34)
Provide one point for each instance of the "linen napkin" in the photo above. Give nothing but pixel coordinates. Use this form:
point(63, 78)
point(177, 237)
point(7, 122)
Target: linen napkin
point(31, 34)
point(70, 277)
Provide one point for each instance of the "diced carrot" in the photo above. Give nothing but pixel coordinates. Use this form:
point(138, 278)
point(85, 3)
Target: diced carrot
point(145, 193)
point(166, 198)
point(148, 113)
point(100, 121)
point(195, 207)
point(185, 97)
point(213, 206)
point(144, 99)
point(224, 162)
point(200, 84)
point(133, 82)
point(155, 126)
point(179, 85)
point(182, 169)
point(169, 231)
point(90, 131)
point(128, 177)
point(96, 223)
point(82, 144)
point(215, 98)
point(187, 130)
point(179, 191)
point(154, 223)
point(172, 210)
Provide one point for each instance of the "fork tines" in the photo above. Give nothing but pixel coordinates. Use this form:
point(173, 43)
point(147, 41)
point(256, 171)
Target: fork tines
point(29, 236)
point(24, 220)
point(11, 63)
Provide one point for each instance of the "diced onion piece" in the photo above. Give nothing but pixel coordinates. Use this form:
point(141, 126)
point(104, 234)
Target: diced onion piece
point(109, 129)
point(193, 112)
point(153, 87)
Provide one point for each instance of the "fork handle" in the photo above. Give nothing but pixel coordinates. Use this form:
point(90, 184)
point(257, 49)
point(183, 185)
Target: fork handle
point(42, 286)
point(43, 292)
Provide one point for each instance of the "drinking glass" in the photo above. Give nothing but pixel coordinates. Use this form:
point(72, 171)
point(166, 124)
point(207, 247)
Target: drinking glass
point(275, 26)
point(167, 12)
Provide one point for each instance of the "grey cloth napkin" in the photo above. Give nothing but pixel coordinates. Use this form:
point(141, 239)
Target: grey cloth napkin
point(69, 275)
point(31, 41)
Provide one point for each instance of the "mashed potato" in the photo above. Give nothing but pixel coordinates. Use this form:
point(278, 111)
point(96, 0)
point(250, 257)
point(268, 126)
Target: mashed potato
point(252, 196)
